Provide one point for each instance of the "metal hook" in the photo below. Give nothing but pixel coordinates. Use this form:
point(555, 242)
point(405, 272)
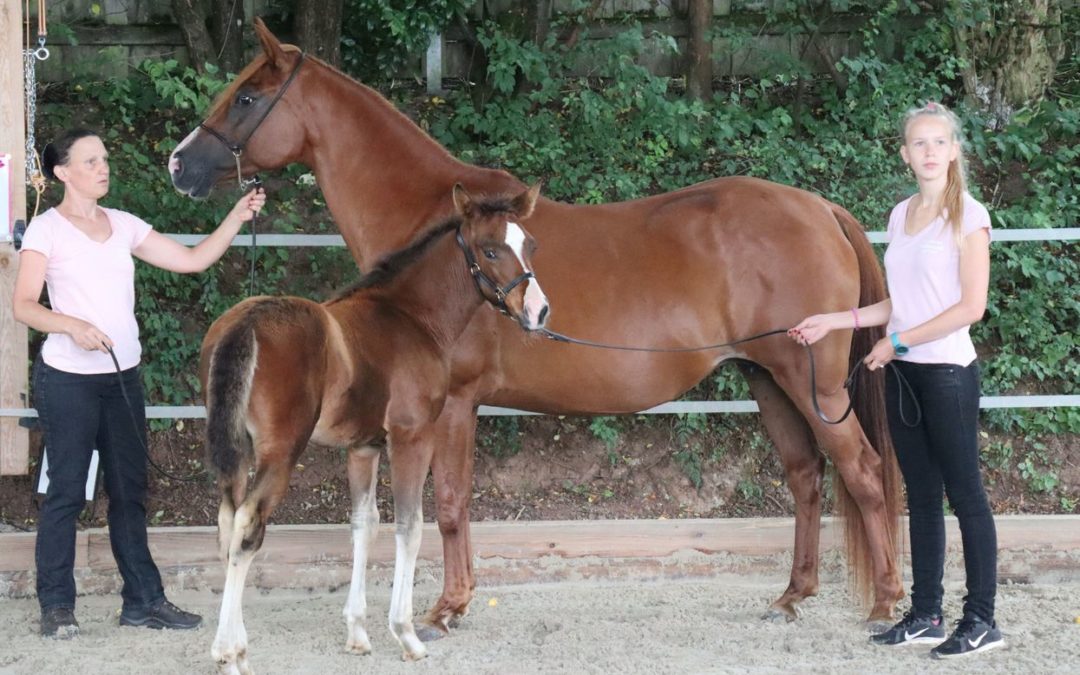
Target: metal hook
point(41, 53)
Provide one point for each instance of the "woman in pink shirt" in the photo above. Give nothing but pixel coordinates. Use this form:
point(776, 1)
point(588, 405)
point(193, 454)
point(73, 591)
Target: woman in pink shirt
point(83, 253)
point(937, 266)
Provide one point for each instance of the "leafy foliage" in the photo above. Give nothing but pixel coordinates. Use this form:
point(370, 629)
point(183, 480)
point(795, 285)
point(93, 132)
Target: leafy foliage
point(597, 126)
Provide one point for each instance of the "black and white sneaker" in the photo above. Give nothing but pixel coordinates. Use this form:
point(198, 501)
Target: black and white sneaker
point(912, 630)
point(972, 635)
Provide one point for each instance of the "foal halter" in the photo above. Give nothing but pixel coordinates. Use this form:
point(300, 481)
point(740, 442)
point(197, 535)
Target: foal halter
point(482, 280)
point(237, 149)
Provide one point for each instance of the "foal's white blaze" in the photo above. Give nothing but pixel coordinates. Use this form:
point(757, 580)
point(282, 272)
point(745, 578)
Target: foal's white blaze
point(535, 300)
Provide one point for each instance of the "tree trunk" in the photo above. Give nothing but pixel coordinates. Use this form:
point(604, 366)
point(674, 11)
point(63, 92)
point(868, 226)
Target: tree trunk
point(1012, 49)
point(227, 30)
point(318, 28)
point(190, 15)
point(699, 51)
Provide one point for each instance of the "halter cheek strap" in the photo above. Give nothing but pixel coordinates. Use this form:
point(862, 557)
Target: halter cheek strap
point(237, 149)
point(483, 280)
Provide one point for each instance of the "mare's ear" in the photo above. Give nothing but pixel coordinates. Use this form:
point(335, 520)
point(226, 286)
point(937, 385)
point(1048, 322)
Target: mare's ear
point(523, 204)
point(462, 201)
point(275, 55)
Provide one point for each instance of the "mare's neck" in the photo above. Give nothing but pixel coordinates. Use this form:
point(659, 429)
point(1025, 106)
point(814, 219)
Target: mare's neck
point(383, 178)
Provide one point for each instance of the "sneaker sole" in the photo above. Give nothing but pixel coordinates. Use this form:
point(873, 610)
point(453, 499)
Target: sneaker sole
point(917, 641)
point(156, 624)
point(978, 650)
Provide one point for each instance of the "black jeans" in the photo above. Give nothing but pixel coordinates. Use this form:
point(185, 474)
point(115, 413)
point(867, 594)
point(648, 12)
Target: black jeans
point(940, 457)
point(79, 413)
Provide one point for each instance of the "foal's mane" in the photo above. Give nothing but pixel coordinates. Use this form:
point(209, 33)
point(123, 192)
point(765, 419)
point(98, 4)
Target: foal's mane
point(387, 268)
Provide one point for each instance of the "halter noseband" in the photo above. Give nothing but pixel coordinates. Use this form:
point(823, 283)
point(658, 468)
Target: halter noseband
point(482, 280)
point(237, 149)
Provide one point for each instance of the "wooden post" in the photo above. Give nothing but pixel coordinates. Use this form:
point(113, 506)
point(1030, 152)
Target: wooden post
point(14, 440)
point(433, 63)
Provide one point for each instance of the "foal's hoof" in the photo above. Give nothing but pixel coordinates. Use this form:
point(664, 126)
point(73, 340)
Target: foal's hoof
point(875, 626)
point(429, 633)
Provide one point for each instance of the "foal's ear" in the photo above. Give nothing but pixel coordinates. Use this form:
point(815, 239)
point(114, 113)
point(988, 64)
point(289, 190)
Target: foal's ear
point(523, 204)
point(462, 201)
point(275, 55)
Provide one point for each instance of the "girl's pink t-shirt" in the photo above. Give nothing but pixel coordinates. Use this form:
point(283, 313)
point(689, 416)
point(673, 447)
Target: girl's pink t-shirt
point(91, 281)
point(923, 273)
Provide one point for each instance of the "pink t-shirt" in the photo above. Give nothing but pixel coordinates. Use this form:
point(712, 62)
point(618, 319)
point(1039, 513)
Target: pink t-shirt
point(923, 273)
point(91, 281)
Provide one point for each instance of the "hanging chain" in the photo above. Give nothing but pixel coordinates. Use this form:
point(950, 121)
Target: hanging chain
point(30, 59)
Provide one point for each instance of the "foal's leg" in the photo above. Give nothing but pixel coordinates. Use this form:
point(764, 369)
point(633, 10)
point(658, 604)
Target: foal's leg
point(410, 458)
point(452, 472)
point(804, 467)
point(363, 474)
point(249, 526)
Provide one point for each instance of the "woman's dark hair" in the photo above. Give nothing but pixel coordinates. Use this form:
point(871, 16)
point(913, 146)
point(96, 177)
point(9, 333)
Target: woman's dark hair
point(56, 153)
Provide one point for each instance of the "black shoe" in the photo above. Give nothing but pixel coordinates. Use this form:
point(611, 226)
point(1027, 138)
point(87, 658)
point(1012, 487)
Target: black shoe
point(162, 615)
point(972, 635)
point(912, 630)
point(59, 623)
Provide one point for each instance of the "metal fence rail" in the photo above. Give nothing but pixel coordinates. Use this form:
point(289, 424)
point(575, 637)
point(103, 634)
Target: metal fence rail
point(709, 407)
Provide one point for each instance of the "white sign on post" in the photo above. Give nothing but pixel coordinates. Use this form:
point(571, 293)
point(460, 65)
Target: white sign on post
point(91, 475)
point(8, 224)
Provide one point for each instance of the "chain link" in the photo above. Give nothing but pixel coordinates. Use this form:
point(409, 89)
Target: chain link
point(30, 91)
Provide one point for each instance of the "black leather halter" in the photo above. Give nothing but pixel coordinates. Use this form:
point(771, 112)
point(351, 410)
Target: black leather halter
point(237, 149)
point(484, 281)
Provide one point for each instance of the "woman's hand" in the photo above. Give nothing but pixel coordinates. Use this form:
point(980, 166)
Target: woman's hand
point(813, 328)
point(248, 205)
point(87, 336)
point(882, 353)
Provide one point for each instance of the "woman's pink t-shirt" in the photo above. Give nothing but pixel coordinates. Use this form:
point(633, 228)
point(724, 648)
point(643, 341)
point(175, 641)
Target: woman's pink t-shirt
point(91, 281)
point(923, 273)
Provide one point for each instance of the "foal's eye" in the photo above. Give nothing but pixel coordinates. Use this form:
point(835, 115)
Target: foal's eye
point(244, 99)
point(489, 253)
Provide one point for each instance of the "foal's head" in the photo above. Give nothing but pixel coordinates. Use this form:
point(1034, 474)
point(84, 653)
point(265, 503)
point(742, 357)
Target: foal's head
point(256, 123)
point(499, 252)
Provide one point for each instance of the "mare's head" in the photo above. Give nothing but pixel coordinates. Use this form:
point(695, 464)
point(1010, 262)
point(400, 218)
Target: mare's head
point(499, 252)
point(256, 123)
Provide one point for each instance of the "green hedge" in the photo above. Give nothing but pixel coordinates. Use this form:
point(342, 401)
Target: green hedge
point(623, 136)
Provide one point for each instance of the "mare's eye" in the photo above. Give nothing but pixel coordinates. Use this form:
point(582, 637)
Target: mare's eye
point(489, 253)
point(244, 99)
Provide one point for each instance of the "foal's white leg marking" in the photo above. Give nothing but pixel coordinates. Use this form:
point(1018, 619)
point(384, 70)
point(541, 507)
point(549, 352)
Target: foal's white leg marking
point(365, 525)
point(229, 650)
point(535, 300)
point(407, 538)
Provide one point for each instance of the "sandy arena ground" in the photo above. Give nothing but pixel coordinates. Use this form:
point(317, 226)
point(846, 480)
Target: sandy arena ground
point(689, 626)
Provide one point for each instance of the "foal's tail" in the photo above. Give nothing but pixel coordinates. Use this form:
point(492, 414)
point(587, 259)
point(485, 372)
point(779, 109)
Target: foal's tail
point(869, 407)
point(232, 369)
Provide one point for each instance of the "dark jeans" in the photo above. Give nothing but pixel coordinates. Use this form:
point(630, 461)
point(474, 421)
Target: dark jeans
point(940, 457)
point(79, 413)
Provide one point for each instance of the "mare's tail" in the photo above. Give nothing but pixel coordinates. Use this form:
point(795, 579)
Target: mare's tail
point(869, 407)
point(228, 389)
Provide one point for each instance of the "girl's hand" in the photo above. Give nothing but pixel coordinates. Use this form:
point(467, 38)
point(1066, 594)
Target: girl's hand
point(882, 353)
point(248, 205)
point(812, 328)
point(87, 336)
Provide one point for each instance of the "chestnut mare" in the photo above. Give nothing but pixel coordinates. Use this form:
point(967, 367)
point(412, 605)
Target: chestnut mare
point(710, 263)
point(374, 361)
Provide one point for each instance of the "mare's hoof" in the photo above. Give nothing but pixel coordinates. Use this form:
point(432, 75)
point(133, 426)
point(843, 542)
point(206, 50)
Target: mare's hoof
point(777, 615)
point(428, 633)
point(875, 626)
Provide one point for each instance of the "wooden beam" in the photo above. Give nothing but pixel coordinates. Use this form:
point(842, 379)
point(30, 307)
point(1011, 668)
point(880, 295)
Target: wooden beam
point(1031, 548)
point(14, 440)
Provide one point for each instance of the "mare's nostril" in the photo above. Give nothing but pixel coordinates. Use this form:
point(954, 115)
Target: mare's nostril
point(542, 319)
point(176, 167)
